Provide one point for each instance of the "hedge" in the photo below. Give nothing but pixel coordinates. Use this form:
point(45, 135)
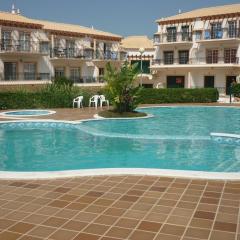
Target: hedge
point(48, 97)
point(178, 95)
point(61, 97)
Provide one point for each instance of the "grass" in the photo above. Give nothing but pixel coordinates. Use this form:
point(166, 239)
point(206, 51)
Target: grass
point(113, 114)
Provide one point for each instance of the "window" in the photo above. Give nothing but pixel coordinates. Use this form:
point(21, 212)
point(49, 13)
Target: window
point(212, 56)
point(209, 81)
point(101, 71)
point(24, 42)
point(44, 47)
point(175, 81)
point(156, 38)
point(232, 29)
point(185, 33)
point(70, 48)
point(10, 70)
point(59, 72)
point(75, 74)
point(171, 34)
point(198, 35)
point(29, 71)
point(168, 57)
point(216, 30)
point(6, 40)
point(183, 57)
point(145, 65)
point(230, 55)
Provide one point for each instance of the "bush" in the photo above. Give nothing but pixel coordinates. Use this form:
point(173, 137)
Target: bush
point(60, 81)
point(178, 95)
point(236, 90)
point(51, 96)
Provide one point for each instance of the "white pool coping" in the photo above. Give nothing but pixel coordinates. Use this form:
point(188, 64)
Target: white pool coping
point(119, 171)
point(96, 116)
point(10, 175)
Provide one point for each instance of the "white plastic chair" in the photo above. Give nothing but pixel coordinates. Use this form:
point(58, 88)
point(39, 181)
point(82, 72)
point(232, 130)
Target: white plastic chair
point(94, 100)
point(79, 101)
point(103, 100)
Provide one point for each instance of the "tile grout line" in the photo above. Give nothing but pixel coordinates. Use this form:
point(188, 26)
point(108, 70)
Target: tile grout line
point(215, 217)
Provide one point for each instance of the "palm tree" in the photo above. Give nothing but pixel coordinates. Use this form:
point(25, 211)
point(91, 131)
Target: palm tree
point(122, 88)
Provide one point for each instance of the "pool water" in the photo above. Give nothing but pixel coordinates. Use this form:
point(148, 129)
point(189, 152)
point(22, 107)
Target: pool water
point(27, 113)
point(175, 138)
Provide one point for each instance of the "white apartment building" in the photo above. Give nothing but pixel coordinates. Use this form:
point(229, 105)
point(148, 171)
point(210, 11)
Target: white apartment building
point(140, 49)
point(35, 51)
point(197, 49)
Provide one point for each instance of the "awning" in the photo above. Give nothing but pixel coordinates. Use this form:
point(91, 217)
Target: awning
point(42, 37)
point(198, 25)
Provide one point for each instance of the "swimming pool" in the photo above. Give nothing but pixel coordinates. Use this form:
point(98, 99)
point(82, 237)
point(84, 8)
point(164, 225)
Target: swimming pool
point(176, 138)
point(27, 113)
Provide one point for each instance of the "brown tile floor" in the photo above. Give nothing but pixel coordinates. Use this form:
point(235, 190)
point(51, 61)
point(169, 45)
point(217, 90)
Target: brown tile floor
point(120, 207)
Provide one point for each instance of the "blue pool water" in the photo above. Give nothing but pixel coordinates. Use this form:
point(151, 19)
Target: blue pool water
point(28, 113)
point(175, 138)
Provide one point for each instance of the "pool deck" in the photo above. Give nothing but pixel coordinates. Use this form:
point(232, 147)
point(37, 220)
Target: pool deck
point(118, 207)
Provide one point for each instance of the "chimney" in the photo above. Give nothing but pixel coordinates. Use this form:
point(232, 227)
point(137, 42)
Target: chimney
point(13, 9)
point(179, 11)
point(18, 12)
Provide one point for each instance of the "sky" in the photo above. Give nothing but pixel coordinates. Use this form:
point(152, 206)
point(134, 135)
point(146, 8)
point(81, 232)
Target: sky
point(123, 17)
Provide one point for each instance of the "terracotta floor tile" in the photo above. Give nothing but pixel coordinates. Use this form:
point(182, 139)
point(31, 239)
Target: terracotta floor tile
point(178, 220)
point(162, 236)
point(5, 223)
point(141, 235)
point(141, 206)
point(115, 212)
point(86, 236)
point(9, 235)
point(172, 229)
point(66, 213)
point(21, 227)
point(122, 204)
point(149, 226)
point(219, 235)
point(97, 229)
point(104, 202)
point(36, 218)
point(204, 215)
point(182, 212)
point(58, 204)
point(27, 237)
point(42, 231)
point(129, 198)
point(62, 189)
point(86, 199)
point(106, 220)
point(68, 197)
point(225, 217)
point(54, 222)
point(63, 235)
point(85, 217)
point(134, 214)
point(74, 225)
point(47, 211)
point(94, 194)
point(224, 226)
point(230, 210)
point(76, 206)
point(118, 232)
point(201, 223)
point(197, 233)
point(209, 200)
point(95, 209)
point(156, 217)
point(127, 223)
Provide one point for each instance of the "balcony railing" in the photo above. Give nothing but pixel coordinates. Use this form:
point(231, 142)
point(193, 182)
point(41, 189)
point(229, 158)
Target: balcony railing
point(26, 76)
point(196, 61)
point(178, 37)
point(85, 54)
point(24, 46)
point(88, 79)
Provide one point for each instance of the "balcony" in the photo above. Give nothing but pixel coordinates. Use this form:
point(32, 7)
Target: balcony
point(172, 39)
point(24, 47)
point(88, 80)
point(196, 62)
point(27, 76)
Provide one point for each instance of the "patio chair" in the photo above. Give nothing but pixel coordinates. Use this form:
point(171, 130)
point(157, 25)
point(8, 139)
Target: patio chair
point(103, 100)
point(79, 101)
point(94, 100)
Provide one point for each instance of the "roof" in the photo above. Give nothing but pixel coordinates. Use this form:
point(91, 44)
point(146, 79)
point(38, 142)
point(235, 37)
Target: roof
point(136, 42)
point(16, 18)
point(64, 27)
point(203, 12)
point(54, 26)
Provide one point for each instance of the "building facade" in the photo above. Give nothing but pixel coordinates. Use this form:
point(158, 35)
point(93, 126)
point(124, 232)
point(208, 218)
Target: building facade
point(198, 49)
point(35, 51)
point(140, 50)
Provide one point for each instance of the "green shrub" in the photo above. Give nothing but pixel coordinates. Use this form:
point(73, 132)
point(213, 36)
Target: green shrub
point(60, 81)
point(51, 96)
point(178, 95)
point(236, 90)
